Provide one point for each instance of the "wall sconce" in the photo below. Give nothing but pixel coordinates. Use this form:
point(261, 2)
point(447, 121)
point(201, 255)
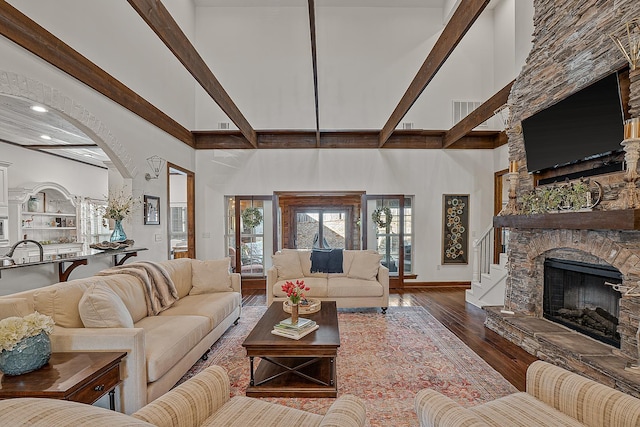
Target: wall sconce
point(155, 163)
point(627, 39)
point(504, 113)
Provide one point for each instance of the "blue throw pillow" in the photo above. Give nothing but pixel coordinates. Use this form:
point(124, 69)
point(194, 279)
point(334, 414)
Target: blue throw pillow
point(335, 261)
point(326, 261)
point(320, 260)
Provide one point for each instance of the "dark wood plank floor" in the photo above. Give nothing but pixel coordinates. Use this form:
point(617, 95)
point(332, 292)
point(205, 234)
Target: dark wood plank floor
point(465, 320)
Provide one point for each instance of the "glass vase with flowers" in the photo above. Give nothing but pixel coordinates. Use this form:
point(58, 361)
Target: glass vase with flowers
point(120, 204)
point(295, 293)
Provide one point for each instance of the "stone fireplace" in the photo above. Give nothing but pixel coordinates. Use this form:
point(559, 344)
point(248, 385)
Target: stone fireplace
point(607, 256)
point(571, 48)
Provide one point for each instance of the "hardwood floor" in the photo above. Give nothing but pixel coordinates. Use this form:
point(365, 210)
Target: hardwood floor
point(464, 320)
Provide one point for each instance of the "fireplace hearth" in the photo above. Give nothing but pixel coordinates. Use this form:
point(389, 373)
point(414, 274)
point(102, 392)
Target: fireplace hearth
point(577, 296)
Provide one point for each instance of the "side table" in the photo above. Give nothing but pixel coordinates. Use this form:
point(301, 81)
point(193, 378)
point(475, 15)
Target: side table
point(77, 376)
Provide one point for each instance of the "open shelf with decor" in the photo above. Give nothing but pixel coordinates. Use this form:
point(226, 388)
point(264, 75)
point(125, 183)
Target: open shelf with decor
point(47, 213)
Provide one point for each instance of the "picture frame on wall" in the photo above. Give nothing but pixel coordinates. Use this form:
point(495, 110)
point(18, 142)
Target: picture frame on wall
point(455, 233)
point(151, 210)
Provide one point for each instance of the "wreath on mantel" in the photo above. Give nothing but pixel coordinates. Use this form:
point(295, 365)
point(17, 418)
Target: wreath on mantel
point(251, 217)
point(382, 217)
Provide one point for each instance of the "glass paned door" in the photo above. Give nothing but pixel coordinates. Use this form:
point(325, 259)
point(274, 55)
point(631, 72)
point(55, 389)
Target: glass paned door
point(389, 231)
point(248, 233)
point(320, 228)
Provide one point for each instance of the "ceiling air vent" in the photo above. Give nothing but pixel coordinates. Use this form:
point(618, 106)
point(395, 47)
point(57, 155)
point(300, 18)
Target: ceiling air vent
point(462, 109)
point(407, 125)
point(223, 125)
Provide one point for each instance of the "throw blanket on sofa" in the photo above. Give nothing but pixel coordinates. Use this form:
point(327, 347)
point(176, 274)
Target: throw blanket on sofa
point(160, 292)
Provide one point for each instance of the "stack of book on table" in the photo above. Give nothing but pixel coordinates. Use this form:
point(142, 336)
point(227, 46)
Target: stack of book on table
point(294, 331)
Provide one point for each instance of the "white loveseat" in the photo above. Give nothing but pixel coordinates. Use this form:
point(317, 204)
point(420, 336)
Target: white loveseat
point(364, 282)
point(161, 348)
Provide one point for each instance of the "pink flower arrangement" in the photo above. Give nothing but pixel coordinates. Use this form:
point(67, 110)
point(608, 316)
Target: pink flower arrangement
point(295, 291)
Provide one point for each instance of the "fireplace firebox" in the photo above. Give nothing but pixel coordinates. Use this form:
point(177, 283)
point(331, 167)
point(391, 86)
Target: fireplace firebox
point(576, 295)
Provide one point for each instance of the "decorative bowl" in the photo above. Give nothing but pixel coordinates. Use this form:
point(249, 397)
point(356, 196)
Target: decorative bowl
point(312, 306)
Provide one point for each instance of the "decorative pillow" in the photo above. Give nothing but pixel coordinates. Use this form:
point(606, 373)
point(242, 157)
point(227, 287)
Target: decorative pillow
point(101, 307)
point(326, 261)
point(320, 260)
point(335, 261)
point(14, 307)
point(210, 276)
point(365, 266)
point(288, 265)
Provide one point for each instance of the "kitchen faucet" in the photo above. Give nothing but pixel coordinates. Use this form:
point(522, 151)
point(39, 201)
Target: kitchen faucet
point(13, 248)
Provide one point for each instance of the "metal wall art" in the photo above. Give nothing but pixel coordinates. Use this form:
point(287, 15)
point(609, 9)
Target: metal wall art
point(455, 242)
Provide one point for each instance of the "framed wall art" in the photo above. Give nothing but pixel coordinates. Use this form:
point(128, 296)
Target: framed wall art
point(151, 210)
point(455, 234)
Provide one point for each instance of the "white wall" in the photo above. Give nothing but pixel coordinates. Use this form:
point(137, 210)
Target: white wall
point(258, 53)
point(427, 174)
point(524, 32)
point(113, 36)
point(178, 190)
point(366, 59)
point(367, 56)
point(504, 42)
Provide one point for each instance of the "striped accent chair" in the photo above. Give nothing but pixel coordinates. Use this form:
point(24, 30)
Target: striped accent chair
point(201, 401)
point(555, 397)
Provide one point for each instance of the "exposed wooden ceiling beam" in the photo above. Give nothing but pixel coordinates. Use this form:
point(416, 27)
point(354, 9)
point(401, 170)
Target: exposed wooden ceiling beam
point(167, 29)
point(314, 59)
point(23, 31)
point(462, 19)
point(402, 139)
point(477, 116)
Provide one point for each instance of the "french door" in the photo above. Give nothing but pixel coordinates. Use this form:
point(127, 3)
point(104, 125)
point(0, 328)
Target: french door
point(248, 234)
point(387, 229)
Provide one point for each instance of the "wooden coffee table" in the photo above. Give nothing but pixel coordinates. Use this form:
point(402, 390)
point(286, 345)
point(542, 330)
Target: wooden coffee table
point(294, 368)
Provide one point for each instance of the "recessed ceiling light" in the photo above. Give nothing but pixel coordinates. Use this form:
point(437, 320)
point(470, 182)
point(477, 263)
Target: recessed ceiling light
point(39, 109)
point(47, 137)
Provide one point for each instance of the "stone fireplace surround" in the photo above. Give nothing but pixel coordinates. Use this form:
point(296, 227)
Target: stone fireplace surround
point(555, 343)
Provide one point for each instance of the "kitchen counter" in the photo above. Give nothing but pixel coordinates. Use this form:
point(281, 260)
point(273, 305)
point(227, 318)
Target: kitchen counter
point(76, 259)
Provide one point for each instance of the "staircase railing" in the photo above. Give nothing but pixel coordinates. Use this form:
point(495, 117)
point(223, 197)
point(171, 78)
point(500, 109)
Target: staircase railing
point(483, 254)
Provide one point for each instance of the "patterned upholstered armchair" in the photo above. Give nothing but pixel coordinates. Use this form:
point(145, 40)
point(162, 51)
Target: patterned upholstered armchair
point(201, 401)
point(554, 397)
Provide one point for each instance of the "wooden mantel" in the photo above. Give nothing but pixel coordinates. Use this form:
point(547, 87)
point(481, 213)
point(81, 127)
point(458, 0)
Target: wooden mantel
point(627, 219)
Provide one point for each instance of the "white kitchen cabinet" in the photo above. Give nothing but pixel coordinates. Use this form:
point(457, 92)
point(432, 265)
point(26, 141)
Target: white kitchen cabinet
point(47, 213)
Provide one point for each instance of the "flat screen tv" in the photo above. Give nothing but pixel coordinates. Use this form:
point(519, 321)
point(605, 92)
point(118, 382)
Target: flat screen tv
point(585, 125)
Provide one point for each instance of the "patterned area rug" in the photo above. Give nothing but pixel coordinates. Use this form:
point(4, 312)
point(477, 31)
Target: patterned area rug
point(383, 359)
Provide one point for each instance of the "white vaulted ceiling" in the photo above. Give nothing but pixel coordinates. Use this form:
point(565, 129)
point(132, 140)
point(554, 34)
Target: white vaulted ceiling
point(260, 52)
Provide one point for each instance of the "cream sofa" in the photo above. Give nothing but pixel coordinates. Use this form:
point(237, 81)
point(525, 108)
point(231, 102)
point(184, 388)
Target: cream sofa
point(201, 401)
point(160, 348)
point(554, 397)
point(364, 282)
